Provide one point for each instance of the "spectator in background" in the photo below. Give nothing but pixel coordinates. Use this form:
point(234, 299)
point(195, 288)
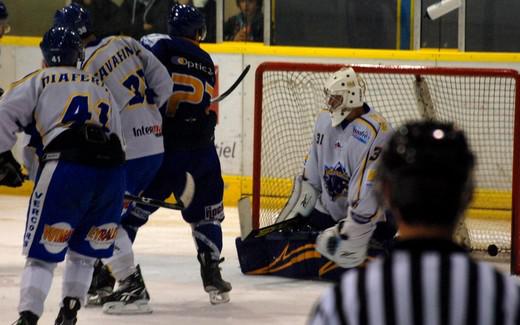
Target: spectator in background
point(102, 14)
point(248, 25)
point(137, 18)
point(4, 26)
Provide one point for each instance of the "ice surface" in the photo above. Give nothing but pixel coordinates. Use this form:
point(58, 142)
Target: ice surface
point(166, 252)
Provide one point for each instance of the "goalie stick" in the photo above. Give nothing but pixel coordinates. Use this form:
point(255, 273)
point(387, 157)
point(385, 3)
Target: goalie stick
point(233, 86)
point(300, 204)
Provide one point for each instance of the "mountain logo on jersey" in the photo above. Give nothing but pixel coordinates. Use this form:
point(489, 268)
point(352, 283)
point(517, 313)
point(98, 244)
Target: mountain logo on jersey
point(336, 180)
point(179, 60)
point(55, 237)
point(361, 133)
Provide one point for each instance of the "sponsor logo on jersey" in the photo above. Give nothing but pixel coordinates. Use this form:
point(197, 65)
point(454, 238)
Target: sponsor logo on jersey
point(179, 60)
point(101, 237)
point(34, 217)
point(360, 133)
point(338, 145)
point(336, 180)
point(55, 237)
point(148, 130)
point(214, 212)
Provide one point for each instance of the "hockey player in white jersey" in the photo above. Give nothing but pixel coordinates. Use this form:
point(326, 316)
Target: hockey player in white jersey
point(74, 210)
point(334, 195)
point(341, 167)
point(141, 85)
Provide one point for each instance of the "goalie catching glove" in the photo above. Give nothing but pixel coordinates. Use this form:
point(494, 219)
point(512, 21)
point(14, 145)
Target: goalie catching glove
point(302, 201)
point(346, 243)
point(10, 170)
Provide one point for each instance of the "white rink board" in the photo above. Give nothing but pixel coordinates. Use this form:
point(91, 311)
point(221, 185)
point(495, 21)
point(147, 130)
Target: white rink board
point(234, 134)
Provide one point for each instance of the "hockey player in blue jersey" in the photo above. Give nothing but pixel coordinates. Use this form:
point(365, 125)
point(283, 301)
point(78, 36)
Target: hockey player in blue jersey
point(74, 210)
point(140, 85)
point(189, 146)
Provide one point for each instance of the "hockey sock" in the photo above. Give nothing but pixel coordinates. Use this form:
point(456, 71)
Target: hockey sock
point(135, 218)
point(208, 238)
point(77, 275)
point(122, 261)
point(35, 285)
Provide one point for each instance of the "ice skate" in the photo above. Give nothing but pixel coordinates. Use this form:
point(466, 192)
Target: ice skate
point(67, 314)
point(101, 286)
point(214, 285)
point(26, 318)
point(130, 297)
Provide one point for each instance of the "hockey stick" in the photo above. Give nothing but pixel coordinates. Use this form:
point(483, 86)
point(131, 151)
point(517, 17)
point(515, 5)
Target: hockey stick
point(233, 86)
point(246, 227)
point(153, 202)
point(184, 200)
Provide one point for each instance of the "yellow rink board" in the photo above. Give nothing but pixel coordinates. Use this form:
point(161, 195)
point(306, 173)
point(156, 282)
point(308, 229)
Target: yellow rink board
point(487, 203)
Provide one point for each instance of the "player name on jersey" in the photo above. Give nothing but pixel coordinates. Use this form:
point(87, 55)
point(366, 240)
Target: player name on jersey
point(111, 64)
point(69, 77)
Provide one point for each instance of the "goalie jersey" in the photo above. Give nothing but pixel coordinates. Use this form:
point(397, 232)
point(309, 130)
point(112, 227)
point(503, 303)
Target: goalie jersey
point(53, 99)
point(140, 85)
point(341, 163)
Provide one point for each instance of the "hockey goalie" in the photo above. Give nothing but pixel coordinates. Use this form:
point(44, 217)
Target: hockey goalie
point(332, 221)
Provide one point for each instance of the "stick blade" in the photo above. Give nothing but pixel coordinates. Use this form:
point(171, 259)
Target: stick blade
point(245, 216)
point(188, 192)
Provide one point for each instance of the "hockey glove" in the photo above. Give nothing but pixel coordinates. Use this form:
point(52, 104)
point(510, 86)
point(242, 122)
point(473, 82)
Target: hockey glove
point(10, 170)
point(346, 243)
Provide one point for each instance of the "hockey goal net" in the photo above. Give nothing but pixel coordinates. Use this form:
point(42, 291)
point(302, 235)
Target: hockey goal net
point(483, 102)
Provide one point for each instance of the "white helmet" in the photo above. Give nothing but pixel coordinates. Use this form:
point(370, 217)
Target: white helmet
point(345, 90)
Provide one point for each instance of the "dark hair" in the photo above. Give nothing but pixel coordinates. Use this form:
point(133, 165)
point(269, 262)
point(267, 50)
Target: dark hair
point(427, 168)
point(258, 3)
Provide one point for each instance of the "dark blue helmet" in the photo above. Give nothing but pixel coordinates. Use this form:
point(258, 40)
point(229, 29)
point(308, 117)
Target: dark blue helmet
point(186, 21)
point(75, 17)
point(61, 46)
point(3, 11)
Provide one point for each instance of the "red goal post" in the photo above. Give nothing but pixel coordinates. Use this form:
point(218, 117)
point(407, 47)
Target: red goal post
point(484, 102)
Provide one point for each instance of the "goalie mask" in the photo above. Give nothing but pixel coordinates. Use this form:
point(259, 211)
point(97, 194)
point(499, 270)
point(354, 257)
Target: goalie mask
point(345, 90)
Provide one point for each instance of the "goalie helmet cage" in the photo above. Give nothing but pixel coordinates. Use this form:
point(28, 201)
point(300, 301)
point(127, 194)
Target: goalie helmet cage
point(483, 102)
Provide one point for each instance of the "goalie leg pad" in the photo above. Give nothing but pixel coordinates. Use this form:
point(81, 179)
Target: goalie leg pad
point(290, 254)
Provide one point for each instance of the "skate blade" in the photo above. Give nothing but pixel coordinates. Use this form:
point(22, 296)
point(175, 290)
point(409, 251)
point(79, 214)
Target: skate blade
point(217, 298)
point(120, 308)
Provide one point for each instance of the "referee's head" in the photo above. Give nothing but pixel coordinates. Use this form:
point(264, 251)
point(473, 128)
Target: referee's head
point(426, 174)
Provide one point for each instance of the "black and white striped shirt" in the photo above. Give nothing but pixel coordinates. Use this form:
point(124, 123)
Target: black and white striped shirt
point(430, 282)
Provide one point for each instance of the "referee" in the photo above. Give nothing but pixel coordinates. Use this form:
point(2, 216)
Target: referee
point(425, 179)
